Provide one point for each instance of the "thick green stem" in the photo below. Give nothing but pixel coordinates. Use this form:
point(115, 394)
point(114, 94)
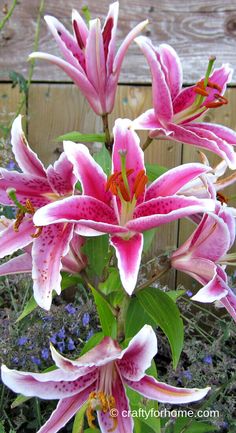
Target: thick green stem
point(147, 142)
point(108, 142)
point(121, 318)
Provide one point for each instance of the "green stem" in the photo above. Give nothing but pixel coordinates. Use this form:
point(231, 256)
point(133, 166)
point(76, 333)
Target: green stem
point(147, 142)
point(108, 142)
point(38, 413)
point(121, 318)
point(8, 15)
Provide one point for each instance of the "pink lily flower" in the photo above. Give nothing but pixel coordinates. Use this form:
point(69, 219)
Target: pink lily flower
point(73, 262)
point(90, 59)
point(204, 257)
point(122, 205)
point(33, 188)
point(99, 377)
point(175, 110)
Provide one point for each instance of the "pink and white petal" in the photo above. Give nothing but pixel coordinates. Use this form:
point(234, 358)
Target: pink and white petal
point(65, 410)
point(95, 61)
point(194, 134)
point(155, 390)
point(229, 303)
point(162, 210)
point(11, 240)
point(66, 42)
point(137, 357)
point(222, 132)
point(47, 253)
point(82, 28)
point(184, 99)
point(228, 216)
point(173, 180)
point(68, 365)
point(25, 157)
point(160, 88)
point(87, 171)
point(173, 69)
point(109, 36)
point(148, 120)
point(202, 270)
point(75, 260)
point(126, 140)
point(17, 265)
point(27, 186)
point(99, 228)
point(120, 423)
point(74, 209)
point(216, 289)
point(60, 176)
point(51, 385)
point(221, 76)
point(78, 77)
point(125, 45)
point(128, 253)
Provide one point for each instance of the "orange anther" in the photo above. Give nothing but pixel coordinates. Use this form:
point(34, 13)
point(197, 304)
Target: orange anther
point(214, 86)
point(201, 91)
point(141, 186)
point(124, 191)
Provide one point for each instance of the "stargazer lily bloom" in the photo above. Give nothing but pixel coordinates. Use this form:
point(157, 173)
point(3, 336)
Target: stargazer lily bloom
point(90, 59)
point(204, 257)
point(99, 378)
point(28, 191)
point(175, 110)
point(122, 205)
point(73, 262)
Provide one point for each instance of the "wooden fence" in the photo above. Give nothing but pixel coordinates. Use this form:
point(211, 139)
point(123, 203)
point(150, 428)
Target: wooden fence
point(54, 106)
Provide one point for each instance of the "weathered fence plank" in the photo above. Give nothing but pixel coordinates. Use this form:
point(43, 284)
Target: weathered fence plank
point(195, 29)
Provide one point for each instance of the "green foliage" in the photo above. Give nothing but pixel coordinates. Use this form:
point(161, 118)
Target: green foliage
point(154, 171)
point(78, 137)
point(92, 342)
point(19, 80)
point(132, 324)
point(107, 319)
point(103, 158)
point(112, 283)
point(78, 425)
point(96, 249)
point(162, 309)
point(188, 425)
point(148, 238)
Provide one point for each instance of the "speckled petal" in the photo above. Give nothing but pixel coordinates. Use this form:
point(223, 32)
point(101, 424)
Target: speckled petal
point(60, 176)
point(17, 265)
point(11, 241)
point(47, 252)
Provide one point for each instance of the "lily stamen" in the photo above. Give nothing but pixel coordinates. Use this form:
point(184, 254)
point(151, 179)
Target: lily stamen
point(100, 401)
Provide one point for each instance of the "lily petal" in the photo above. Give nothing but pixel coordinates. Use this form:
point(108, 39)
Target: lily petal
point(61, 177)
point(47, 252)
point(151, 388)
point(25, 157)
point(162, 210)
point(109, 35)
point(128, 252)
point(216, 288)
point(17, 265)
point(137, 357)
point(229, 302)
point(51, 385)
point(173, 180)
point(87, 171)
point(65, 410)
point(12, 241)
point(173, 69)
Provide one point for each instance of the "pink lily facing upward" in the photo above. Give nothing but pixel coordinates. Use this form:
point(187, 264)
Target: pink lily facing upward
point(29, 190)
point(204, 257)
point(175, 110)
point(122, 205)
point(89, 53)
point(99, 378)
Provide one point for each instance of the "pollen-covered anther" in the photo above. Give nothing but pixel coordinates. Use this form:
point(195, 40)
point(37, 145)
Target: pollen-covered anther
point(115, 184)
point(139, 184)
point(101, 402)
point(220, 100)
point(19, 218)
point(37, 232)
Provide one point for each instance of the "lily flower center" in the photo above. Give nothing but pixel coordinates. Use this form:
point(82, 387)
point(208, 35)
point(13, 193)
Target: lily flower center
point(202, 90)
point(102, 399)
point(28, 208)
point(120, 185)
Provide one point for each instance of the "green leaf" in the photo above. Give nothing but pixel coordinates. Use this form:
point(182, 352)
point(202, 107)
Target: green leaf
point(92, 430)
point(19, 401)
point(108, 321)
point(175, 294)
point(96, 249)
point(78, 424)
point(136, 318)
point(103, 158)
point(191, 426)
point(162, 309)
point(86, 13)
point(19, 80)
point(154, 171)
point(67, 281)
point(200, 427)
point(92, 342)
point(112, 283)
point(148, 238)
point(78, 137)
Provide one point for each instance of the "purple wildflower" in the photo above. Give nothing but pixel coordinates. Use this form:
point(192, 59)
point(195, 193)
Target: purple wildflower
point(70, 309)
point(35, 360)
point(71, 344)
point(53, 338)
point(61, 346)
point(61, 333)
point(207, 359)
point(85, 319)
point(45, 353)
point(90, 334)
point(22, 341)
point(189, 293)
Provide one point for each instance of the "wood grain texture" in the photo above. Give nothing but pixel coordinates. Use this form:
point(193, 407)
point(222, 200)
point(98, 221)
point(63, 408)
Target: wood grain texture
point(195, 29)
